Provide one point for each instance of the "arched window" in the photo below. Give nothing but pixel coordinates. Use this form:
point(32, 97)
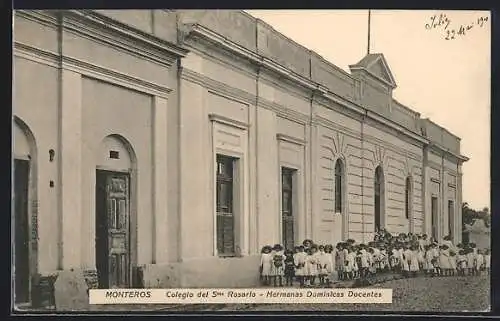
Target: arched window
point(379, 197)
point(408, 198)
point(339, 173)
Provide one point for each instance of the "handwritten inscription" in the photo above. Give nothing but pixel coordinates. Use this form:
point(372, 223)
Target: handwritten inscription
point(444, 23)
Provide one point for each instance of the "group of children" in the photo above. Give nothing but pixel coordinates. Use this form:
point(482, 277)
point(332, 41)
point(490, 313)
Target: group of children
point(408, 254)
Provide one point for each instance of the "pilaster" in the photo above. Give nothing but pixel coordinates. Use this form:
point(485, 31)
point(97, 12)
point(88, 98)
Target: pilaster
point(71, 167)
point(458, 210)
point(160, 181)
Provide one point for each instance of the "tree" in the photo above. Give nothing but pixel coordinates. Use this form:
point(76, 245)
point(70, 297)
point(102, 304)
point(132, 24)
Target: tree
point(469, 215)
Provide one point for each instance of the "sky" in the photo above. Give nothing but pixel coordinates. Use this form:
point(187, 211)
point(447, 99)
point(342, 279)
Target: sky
point(446, 80)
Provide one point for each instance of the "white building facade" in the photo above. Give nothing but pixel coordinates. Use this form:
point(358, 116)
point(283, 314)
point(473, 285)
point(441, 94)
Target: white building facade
point(164, 148)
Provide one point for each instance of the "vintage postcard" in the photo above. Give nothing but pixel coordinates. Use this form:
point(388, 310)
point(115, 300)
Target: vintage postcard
point(251, 160)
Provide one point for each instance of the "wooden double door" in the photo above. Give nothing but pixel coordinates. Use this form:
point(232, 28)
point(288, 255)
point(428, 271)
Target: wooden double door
point(113, 229)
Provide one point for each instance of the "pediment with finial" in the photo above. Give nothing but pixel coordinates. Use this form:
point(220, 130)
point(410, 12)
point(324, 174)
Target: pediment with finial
point(376, 66)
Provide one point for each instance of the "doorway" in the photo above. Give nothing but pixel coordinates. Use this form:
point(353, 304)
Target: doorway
point(287, 208)
point(21, 231)
point(113, 229)
point(434, 217)
point(379, 198)
point(451, 218)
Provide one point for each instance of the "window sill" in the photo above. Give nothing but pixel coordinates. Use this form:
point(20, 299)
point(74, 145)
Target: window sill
point(228, 256)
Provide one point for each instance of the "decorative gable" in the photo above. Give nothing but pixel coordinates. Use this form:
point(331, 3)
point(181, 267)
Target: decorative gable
point(376, 66)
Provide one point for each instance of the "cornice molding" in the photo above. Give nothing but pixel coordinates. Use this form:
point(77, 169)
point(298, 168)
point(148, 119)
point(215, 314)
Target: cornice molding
point(227, 121)
point(435, 180)
point(105, 30)
point(216, 86)
point(241, 95)
point(129, 33)
point(46, 18)
point(442, 151)
point(290, 139)
point(114, 77)
point(400, 129)
point(45, 57)
point(105, 35)
point(90, 70)
point(196, 31)
point(281, 111)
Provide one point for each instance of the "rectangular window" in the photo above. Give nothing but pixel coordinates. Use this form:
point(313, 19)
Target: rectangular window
point(287, 218)
point(451, 214)
point(224, 206)
point(434, 218)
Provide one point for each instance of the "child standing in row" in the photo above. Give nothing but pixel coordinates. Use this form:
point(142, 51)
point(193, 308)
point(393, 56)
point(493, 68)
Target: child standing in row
point(444, 260)
point(266, 261)
point(471, 261)
point(322, 261)
point(340, 261)
point(312, 265)
point(461, 262)
point(289, 268)
point(299, 259)
point(479, 262)
point(414, 263)
point(350, 261)
point(328, 263)
point(453, 263)
point(365, 261)
point(278, 266)
point(487, 261)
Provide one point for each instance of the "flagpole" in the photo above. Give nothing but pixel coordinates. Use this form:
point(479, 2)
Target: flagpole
point(369, 25)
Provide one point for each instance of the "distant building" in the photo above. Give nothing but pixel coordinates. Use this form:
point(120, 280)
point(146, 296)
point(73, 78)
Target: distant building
point(165, 148)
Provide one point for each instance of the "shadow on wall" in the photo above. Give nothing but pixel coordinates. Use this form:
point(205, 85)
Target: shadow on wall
point(208, 272)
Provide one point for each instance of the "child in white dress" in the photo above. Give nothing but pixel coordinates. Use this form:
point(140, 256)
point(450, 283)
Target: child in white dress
point(396, 259)
point(421, 259)
point(435, 259)
point(312, 264)
point(278, 266)
point(266, 261)
point(350, 261)
point(429, 255)
point(355, 268)
point(401, 250)
point(471, 262)
point(414, 263)
point(487, 261)
point(364, 262)
point(329, 265)
point(405, 261)
point(322, 262)
point(346, 252)
point(461, 262)
point(384, 259)
point(444, 260)
point(299, 259)
point(376, 257)
point(479, 262)
point(453, 262)
point(372, 270)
